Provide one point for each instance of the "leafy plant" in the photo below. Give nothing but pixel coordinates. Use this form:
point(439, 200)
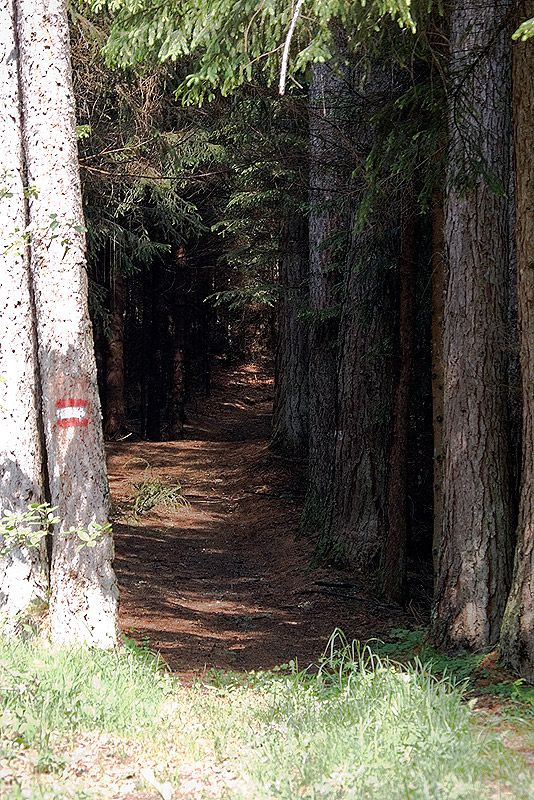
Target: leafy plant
point(28, 528)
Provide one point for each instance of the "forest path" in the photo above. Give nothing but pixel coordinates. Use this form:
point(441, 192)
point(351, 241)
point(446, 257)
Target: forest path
point(225, 584)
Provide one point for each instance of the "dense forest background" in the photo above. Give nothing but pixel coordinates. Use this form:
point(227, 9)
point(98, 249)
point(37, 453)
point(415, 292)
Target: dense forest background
point(359, 231)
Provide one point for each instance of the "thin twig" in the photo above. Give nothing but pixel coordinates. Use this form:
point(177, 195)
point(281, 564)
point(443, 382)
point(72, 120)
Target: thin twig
point(287, 45)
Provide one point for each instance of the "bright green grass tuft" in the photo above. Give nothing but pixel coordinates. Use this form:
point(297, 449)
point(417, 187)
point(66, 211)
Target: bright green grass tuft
point(44, 691)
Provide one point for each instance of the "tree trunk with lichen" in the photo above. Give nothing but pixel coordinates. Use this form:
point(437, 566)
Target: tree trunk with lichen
point(84, 595)
point(23, 570)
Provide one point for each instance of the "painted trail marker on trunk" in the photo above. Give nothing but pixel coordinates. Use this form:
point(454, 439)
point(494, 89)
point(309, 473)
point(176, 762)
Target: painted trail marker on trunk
point(72, 413)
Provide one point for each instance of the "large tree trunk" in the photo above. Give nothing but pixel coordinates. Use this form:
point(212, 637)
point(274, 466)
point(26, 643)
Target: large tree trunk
point(394, 554)
point(356, 523)
point(23, 571)
point(330, 104)
point(474, 563)
point(290, 411)
point(83, 606)
point(438, 285)
point(517, 633)
point(356, 520)
point(115, 397)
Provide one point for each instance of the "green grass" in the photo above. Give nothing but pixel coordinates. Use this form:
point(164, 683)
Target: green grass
point(357, 726)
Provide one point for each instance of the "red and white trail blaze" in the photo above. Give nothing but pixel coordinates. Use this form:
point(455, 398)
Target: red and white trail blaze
point(72, 413)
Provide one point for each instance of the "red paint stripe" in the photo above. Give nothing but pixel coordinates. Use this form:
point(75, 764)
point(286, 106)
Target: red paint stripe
point(73, 422)
point(69, 402)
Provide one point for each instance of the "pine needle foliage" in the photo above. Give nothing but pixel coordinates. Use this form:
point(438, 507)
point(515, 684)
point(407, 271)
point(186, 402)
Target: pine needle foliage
point(231, 42)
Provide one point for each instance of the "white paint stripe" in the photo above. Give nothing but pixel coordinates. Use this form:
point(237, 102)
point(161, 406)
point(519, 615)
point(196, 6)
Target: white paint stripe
point(71, 412)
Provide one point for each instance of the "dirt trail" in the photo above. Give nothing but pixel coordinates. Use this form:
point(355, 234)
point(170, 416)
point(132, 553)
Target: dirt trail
point(225, 584)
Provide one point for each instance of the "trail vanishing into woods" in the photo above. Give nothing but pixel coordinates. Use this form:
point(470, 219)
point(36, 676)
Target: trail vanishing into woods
point(225, 583)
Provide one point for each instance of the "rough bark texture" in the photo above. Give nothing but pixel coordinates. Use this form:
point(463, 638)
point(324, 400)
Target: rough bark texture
point(356, 524)
point(438, 286)
point(178, 327)
point(394, 554)
point(155, 325)
point(290, 411)
point(23, 571)
point(517, 633)
point(330, 106)
point(115, 400)
point(357, 515)
point(83, 605)
point(474, 562)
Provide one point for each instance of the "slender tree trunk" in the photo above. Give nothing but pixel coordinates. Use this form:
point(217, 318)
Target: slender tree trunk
point(83, 605)
point(517, 633)
point(146, 345)
point(438, 288)
point(178, 327)
point(290, 411)
point(115, 397)
point(474, 562)
point(394, 554)
point(23, 571)
point(330, 104)
point(155, 367)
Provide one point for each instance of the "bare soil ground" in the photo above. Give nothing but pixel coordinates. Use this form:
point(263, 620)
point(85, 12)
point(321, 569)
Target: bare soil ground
point(226, 583)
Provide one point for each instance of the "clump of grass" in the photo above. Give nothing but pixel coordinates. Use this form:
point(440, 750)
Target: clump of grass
point(46, 692)
point(151, 492)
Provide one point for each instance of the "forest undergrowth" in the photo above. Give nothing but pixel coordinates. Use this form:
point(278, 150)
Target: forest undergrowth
point(90, 725)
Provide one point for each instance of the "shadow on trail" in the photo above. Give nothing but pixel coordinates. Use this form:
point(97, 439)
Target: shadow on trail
point(225, 583)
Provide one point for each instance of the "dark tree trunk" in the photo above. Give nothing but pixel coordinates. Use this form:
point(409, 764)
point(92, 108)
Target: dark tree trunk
point(438, 287)
point(356, 518)
point(290, 411)
point(393, 567)
point(474, 563)
point(356, 523)
point(178, 325)
point(155, 367)
point(517, 634)
point(330, 104)
point(115, 406)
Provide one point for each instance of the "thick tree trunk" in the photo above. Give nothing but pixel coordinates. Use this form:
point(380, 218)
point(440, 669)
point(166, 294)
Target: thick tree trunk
point(438, 287)
point(474, 562)
point(83, 606)
point(290, 411)
point(23, 571)
point(356, 520)
point(394, 554)
point(330, 104)
point(356, 524)
point(115, 420)
point(517, 633)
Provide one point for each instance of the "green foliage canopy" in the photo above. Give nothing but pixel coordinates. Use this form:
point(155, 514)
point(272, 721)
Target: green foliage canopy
point(227, 40)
